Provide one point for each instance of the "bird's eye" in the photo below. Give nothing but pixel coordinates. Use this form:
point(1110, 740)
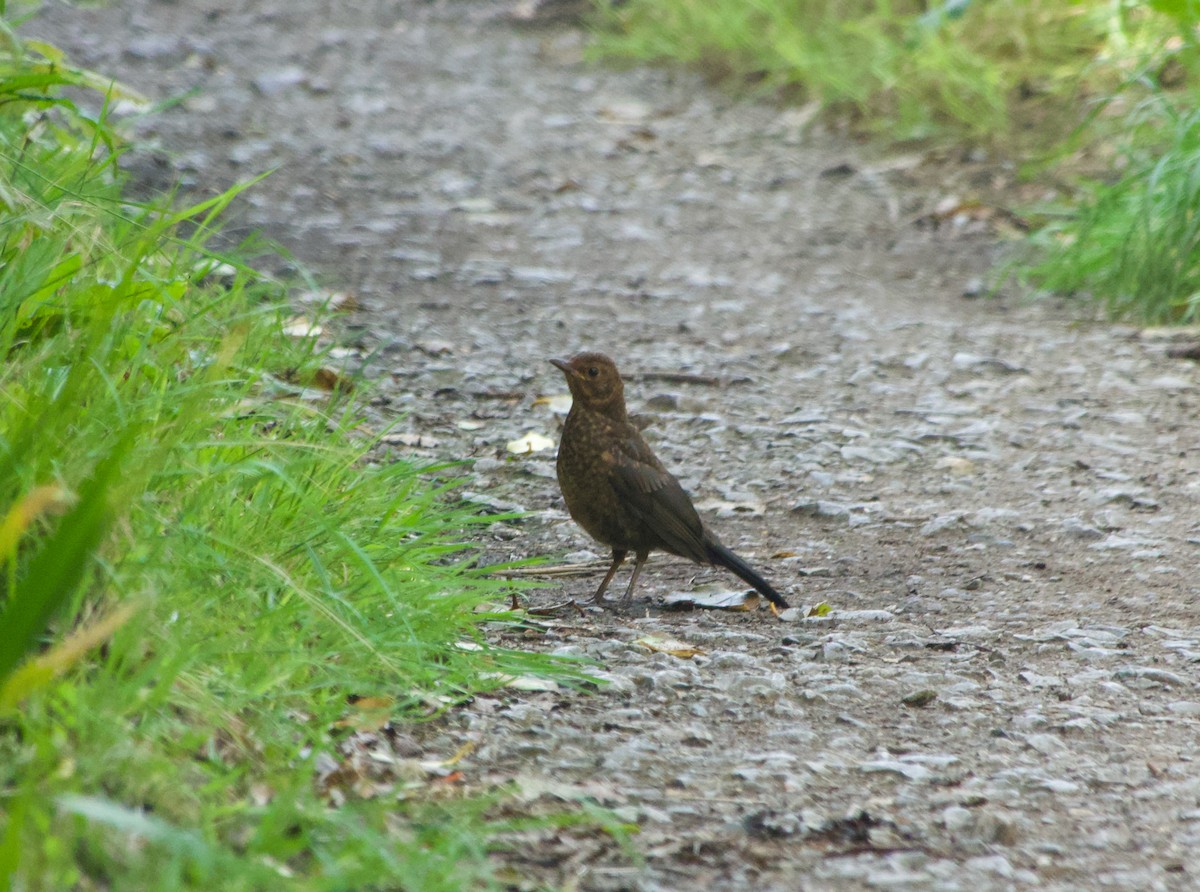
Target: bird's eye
point(593, 372)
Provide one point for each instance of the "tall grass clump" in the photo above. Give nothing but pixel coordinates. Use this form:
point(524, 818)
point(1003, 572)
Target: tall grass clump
point(1131, 240)
point(203, 562)
point(1134, 243)
point(905, 69)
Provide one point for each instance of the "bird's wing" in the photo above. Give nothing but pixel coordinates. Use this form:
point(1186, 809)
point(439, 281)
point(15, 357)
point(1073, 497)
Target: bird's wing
point(649, 490)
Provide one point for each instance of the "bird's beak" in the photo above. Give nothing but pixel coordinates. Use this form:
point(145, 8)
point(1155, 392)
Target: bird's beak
point(564, 366)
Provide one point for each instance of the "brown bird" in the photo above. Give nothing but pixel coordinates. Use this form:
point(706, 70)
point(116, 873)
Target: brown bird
point(619, 492)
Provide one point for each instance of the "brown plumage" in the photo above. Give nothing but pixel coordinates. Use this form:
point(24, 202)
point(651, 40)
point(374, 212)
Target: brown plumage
point(619, 492)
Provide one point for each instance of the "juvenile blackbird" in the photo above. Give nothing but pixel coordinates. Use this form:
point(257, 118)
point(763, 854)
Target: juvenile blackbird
point(617, 489)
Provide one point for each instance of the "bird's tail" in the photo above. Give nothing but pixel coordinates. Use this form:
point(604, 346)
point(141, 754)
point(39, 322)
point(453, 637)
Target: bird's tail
point(722, 556)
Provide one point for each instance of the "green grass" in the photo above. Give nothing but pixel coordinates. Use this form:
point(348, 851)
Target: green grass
point(1134, 243)
point(1129, 237)
point(204, 559)
point(907, 70)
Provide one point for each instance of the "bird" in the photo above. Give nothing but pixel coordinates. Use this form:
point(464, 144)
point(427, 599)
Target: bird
point(616, 488)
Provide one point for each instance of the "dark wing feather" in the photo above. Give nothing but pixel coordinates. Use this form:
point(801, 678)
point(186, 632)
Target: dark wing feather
point(653, 494)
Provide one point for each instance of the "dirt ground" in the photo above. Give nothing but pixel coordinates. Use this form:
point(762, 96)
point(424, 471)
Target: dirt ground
point(996, 497)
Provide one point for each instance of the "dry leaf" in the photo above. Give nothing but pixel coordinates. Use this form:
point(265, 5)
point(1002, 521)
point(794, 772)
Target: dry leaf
point(531, 442)
point(954, 210)
point(727, 508)
point(363, 703)
point(629, 111)
point(956, 464)
point(671, 646)
point(433, 347)
point(206, 269)
point(343, 301)
point(530, 787)
point(712, 159)
point(327, 379)
point(559, 404)
point(532, 683)
point(523, 682)
point(301, 327)
point(719, 600)
point(418, 441)
point(367, 713)
point(339, 301)
point(639, 139)
point(463, 751)
point(1169, 332)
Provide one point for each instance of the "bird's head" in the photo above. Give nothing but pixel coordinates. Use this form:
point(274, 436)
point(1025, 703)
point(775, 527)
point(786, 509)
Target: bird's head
point(595, 383)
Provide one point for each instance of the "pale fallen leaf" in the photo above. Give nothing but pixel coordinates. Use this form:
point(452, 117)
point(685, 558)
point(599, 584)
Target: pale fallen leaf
point(503, 506)
point(367, 713)
point(671, 646)
point(712, 159)
point(718, 600)
point(261, 795)
point(343, 301)
point(532, 683)
point(1170, 332)
point(333, 300)
point(956, 464)
point(301, 327)
point(469, 425)
point(799, 118)
point(727, 508)
point(559, 404)
point(639, 139)
point(418, 441)
point(822, 609)
point(531, 442)
point(435, 347)
point(461, 753)
point(528, 787)
point(524, 682)
point(628, 111)
point(818, 570)
point(214, 269)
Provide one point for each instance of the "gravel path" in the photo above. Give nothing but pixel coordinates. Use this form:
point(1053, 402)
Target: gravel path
point(997, 499)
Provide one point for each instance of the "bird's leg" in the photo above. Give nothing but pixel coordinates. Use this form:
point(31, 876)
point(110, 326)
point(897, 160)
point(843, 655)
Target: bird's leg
point(618, 559)
point(637, 568)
